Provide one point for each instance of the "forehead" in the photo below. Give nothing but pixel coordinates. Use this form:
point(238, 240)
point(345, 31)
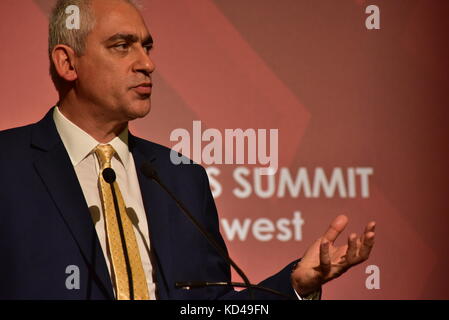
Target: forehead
point(117, 16)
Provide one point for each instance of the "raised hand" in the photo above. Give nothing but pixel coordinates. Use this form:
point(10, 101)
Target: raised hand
point(323, 261)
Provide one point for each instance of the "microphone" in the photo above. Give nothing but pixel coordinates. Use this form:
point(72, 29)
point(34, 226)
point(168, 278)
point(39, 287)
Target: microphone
point(109, 176)
point(151, 174)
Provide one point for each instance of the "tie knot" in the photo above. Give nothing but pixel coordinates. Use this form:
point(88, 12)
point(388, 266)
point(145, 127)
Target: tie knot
point(105, 154)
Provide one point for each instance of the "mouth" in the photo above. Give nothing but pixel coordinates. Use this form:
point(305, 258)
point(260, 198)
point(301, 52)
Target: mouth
point(143, 88)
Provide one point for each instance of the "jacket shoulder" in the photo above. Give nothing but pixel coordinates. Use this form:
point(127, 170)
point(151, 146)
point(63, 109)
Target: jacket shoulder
point(15, 137)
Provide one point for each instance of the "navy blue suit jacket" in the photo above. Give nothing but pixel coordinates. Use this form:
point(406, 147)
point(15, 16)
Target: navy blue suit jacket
point(45, 224)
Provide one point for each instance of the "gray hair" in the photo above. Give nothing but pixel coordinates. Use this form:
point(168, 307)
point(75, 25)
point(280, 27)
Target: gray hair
point(59, 33)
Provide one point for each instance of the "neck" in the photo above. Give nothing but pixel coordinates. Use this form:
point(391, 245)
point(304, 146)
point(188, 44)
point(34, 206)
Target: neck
point(92, 119)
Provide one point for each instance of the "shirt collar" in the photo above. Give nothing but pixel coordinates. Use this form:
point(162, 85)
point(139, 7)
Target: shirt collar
point(80, 144)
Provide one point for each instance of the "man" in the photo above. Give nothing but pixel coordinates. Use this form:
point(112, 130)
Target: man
point(120, 234)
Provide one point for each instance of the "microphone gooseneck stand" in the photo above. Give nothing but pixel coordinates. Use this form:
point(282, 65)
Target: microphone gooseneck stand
point(151, 174)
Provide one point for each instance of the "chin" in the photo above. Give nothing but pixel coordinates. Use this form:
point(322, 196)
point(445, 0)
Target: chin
point(139, 109)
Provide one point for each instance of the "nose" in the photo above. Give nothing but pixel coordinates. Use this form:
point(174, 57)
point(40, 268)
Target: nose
point(144, 64)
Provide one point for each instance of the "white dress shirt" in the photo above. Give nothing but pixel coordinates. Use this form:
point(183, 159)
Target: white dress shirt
point(81, 149)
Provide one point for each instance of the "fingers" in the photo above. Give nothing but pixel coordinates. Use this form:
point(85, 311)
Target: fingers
point(351, 254)
point(370, 227)
point(335, 228)
point(325, 259)
point(366, 246)
point(360, 249)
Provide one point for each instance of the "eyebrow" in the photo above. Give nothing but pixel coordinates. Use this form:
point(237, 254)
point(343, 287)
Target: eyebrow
point(130, 38)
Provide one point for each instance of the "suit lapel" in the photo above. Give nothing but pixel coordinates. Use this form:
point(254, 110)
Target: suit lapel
point(53, 165)
point(157, 210)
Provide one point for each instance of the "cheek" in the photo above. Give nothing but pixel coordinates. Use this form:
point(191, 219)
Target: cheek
point(114, 81)
point(97, 71)
point(103, 82)
point(104, 79)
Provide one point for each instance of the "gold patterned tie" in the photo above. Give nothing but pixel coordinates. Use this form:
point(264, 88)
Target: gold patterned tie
point(126, 266)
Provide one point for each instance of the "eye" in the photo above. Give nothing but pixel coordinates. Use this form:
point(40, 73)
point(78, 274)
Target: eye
point(122, 46)
point(148, 48)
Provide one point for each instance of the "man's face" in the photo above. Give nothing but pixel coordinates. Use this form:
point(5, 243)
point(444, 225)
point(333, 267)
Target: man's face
point(114, 74)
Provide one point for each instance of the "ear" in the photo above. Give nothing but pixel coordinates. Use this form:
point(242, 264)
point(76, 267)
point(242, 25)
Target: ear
point(64, 59)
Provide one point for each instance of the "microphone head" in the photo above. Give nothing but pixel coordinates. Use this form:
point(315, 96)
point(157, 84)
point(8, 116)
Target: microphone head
point(149, 171)
point(109, 175)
